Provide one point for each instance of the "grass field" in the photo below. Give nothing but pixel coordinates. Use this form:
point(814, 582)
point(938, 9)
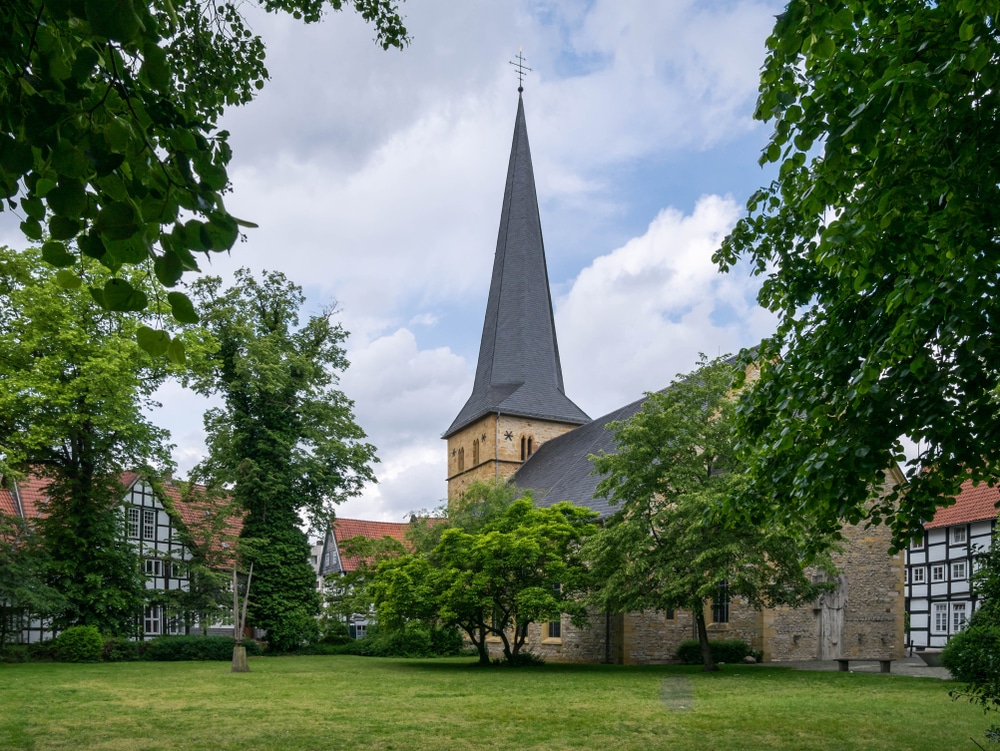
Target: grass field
point(368, 703)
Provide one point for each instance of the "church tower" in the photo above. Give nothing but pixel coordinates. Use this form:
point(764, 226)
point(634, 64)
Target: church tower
point(518, 401)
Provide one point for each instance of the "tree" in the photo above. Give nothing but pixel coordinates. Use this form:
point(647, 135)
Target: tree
point(109, 144)
point(673, 543)
point(73, 389)
point(285, 439)
point(513, 565)
point(25, 592)
point(878, 244)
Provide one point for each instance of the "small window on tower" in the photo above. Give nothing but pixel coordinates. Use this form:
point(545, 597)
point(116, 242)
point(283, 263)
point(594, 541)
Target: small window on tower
point(461, 459)
point(531, 445)
point(475, 452)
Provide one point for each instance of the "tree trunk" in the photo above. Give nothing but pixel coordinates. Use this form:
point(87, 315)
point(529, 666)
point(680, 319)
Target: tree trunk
point(240, 664)
point(706, 652)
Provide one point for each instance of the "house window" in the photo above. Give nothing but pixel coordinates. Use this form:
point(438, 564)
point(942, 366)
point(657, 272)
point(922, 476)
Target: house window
point(527, 447)
point(555, 629)
point(153, 567)
point(958, 617)
point(720, 604)
point(461, 459)
point(937, 572)
point(475, 452)
point(941, 617)
point(958, 535)
point(133, 522)
point(958, 571)
point(152, 619)
point(148, 524)
point(919, 575)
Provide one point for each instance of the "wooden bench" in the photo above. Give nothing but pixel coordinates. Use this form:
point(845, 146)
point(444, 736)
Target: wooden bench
point(844, 663)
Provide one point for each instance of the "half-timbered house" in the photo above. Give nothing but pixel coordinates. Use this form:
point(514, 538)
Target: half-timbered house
point(940, 597)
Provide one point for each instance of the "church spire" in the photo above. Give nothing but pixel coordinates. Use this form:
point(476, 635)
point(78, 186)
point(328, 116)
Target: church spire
point(519, 372)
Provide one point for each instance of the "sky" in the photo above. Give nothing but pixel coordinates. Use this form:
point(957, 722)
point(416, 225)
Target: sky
point(376, 179)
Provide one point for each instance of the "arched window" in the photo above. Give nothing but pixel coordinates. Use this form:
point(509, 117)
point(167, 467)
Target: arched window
point(475, 453)
point(461, 459)
point(527, 447)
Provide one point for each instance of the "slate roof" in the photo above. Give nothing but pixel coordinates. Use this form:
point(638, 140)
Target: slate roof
point(560, 469)
point(519, 372)
point(345, 529)
point(972, 504)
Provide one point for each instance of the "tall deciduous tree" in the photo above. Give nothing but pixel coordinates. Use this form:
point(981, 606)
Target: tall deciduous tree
point(672, 544)
point(73, 389)
point(109, 143)
point(285, 439)
point(878, 243)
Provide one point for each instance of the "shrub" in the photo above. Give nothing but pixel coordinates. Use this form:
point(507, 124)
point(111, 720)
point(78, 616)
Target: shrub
point(79, 644)
point(179, 648)
point(41, 651)
point(973, 657)
point(728, 650)
point(14, 653)
point(120, 649)
point(296, 629)
point(446, 641)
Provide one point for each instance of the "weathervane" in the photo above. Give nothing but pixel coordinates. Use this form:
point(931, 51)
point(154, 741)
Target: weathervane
point(521, 69)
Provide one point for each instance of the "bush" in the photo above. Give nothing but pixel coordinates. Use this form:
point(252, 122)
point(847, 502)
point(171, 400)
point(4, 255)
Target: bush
point(446, 641)
point(973, 657)
point(79, 644)
point(14, 653)
point(180, 648)
point(727, 650)
point(296, 629)
point(120, 649)
point(41, 651)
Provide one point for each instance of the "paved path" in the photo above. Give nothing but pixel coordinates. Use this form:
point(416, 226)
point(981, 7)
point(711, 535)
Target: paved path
point(904, 666)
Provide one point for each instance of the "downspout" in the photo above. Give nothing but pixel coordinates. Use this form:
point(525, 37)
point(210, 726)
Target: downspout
point(496, 452)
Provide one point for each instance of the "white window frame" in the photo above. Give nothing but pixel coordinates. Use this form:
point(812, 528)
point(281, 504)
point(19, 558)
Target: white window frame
point(919, 575)
point(939, 618)
point(148, 524)
point(937, 572)
point(959, 535)
point(153, 567)
point(959, 571)
point(152, 621)
point(133, 523)
point(959, 616)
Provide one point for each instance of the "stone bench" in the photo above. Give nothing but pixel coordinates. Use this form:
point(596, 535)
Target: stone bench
point(844, 663)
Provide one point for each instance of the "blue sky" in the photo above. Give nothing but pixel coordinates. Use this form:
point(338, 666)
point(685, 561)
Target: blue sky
point(376, 179)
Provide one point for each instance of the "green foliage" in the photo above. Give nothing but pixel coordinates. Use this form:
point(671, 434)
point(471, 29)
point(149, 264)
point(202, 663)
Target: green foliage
point(973, 654)
point(413, 639)
point(877, 244)
point(284, 441)
point(72, 410)
point(110, 145)
point(121, 649)
point(723, 650)
point(179, 648)
point(24, 576)
point(674, 541)
point(498, 565)
point(79, 644)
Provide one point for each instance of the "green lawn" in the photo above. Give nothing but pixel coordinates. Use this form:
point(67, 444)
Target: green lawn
point(368, 703)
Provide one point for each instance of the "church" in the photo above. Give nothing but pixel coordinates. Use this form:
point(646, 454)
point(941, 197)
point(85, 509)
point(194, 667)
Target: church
point(519, 425)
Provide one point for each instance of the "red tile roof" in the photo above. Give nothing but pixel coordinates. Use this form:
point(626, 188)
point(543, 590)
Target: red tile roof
point(32, 494)
point(972, 504)
point(345, 529)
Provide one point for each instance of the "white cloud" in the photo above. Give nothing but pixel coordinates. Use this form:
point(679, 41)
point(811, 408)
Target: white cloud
point(636, 317)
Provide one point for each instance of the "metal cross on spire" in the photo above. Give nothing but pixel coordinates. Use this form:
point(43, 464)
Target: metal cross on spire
point(521, 69)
